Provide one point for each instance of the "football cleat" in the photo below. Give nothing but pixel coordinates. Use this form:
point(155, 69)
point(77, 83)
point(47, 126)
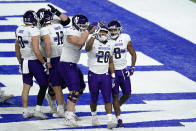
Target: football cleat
point(120, 123)
point(40, 115)
point(59, 114)
point(95, 121)
point(27, 115)
point(71, 122)
point(111, 125)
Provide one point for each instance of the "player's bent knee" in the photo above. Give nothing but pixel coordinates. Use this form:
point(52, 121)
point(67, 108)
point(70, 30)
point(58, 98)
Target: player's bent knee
point(73, 96)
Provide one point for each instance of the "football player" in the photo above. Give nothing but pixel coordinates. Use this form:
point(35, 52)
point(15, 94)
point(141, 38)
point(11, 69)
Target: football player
point(69, 71)
point(31, 61)
point(122, 45)
point(58, 18)
point(99, 52)
point(53, 38)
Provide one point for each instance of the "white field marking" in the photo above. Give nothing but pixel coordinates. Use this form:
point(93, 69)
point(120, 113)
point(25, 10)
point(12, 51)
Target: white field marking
point(8, 61)
point(7, 35)
point(168, 110)
point(9, 9)
point(7, 47)
point(12, 21)
point(161, 82)
point(142, 83)
point(176, 16)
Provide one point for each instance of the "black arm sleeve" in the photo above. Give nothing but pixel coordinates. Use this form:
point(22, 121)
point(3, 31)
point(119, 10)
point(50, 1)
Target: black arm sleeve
point(64, 23)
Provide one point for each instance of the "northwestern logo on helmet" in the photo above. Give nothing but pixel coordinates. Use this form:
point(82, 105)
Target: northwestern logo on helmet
point(80, 22)
point(45, 16)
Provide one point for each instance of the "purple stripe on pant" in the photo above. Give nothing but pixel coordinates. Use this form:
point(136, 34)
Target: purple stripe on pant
point(100, 82)
point(123, 81)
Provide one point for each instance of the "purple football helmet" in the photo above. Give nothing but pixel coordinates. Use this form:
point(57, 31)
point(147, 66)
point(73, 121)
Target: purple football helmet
point(115, 28)
point(30, 17)
point(80, 22)
point(45, 16)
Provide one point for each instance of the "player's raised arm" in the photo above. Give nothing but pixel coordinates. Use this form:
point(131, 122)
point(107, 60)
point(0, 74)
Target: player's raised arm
point(65, 20)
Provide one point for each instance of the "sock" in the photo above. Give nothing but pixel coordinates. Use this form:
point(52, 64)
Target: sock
point(94, 113)
point(109, 117)
point(60, 108)
point(25, 109)
point(53, 102)
point(38, 108)
point(118, 117)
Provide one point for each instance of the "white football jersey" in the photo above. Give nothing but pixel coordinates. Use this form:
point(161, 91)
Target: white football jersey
point(24, 36)
point(70, 52)
point(120, 51)
point(98, 57)
point(56, 33)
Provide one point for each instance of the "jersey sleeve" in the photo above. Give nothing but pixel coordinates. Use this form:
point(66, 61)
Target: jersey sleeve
point(71, 31)
point(35, 32)
point(127, 37)
point(44, 31)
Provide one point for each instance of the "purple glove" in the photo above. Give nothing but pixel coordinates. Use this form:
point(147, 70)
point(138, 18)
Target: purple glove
point(130, 71)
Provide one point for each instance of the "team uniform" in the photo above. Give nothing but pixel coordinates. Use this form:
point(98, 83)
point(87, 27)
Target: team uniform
point(98, 76)
point(31, 66)
point(68, 68)
point(56, 33)
point(120, 64)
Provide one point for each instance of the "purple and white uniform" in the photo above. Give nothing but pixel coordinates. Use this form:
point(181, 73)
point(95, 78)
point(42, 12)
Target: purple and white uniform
point(56, 33)
point(68, 68)
point(31, 66)
point(98, 76)
point(120, 64)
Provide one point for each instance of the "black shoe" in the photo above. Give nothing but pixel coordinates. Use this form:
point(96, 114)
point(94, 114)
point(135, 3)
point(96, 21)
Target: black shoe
point(120, 123)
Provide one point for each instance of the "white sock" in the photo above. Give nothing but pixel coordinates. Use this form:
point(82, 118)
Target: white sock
point(25, 109)
point(118, 117)
point(53, 102)
point(38, 108)
point(60, 108)
point(94, 113)
point(109, 117)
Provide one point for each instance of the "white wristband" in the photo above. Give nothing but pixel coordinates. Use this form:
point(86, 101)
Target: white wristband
point(48, 60)
point(113, 75)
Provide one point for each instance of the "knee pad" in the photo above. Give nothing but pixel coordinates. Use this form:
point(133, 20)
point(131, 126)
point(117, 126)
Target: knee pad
point(73, 97)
